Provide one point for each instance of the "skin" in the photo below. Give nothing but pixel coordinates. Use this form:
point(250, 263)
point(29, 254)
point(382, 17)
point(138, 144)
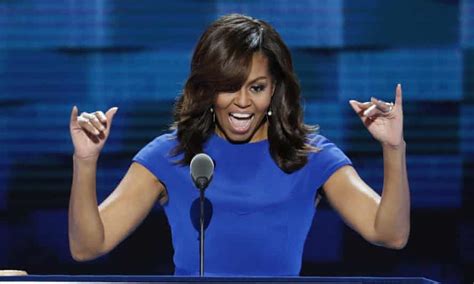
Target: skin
point(95, 230)
point(253, 98)
point(382, 220)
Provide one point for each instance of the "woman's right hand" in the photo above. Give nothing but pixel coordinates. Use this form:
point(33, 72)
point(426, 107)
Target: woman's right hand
point(90, 131)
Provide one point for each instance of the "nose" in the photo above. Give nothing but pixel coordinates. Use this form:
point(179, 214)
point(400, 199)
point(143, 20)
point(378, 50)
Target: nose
point(242, 99)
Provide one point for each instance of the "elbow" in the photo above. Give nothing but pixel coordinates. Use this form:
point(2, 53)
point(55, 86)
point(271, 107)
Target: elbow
point(82, 256)
point(85, 250)
point(393, 241)
point(397, 244)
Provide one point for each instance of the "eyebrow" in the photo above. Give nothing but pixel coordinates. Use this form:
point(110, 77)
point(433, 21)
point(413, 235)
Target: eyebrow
point(256, 79)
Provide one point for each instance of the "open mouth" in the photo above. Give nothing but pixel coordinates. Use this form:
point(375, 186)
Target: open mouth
point(240, 122)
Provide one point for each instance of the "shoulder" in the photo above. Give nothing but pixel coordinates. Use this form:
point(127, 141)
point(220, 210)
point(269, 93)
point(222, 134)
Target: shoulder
point(159, 147)
point(326, 159)
point(320, 142)
point(326, 152)
point(156, 156)
point(165, 141)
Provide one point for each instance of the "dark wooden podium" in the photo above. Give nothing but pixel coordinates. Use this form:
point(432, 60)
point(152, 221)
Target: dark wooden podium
point(214, 280)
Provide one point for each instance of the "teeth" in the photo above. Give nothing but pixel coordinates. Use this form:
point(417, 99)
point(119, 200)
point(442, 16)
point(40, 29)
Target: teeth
point(240, 125)
point(241, 115)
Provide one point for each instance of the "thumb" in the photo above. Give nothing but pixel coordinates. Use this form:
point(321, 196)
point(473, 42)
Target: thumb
point(355, 106)
point(110, 115)
point(359, 109)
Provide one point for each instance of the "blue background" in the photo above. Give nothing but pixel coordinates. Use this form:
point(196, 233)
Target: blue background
point(135, 55)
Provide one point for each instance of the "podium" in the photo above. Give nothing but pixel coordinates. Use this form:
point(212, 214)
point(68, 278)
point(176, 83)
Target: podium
point(214, 280)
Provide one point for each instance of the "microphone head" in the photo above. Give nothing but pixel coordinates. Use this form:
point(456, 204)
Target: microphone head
point(202, 169)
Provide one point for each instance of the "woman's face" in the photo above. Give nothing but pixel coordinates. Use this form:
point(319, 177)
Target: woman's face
point(241, 115)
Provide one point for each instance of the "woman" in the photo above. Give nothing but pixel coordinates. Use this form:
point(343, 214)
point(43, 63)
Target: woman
point(240, 105)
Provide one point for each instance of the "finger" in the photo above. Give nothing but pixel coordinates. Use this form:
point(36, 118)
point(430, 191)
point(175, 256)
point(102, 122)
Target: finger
point(98, 121)
point(359, 107)
point(93, 120)
point(101, 116)
point(87, 125)
point(363, 105)
point(355, 106)
point(73, 119)
point(398, 95)
point(384, 107)
point(371, 111)
point(110, 115)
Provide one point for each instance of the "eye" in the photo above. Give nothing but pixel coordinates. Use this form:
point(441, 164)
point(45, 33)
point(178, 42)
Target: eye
point(258, 88)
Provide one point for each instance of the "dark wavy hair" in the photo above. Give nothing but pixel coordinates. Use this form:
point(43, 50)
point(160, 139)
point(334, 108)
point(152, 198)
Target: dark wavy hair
point(221, 63)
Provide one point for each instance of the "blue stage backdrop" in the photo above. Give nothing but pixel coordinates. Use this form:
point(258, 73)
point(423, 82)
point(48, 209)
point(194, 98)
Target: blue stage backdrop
point(135, 55)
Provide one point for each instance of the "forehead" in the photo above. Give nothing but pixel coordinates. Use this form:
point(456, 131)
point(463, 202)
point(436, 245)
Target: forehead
point(259, 67)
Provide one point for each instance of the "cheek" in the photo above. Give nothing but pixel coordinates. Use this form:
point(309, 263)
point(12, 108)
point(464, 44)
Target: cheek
point(221, 104)
point(262, 104)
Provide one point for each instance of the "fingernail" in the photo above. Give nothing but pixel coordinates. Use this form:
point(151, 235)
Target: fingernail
point(366, 112)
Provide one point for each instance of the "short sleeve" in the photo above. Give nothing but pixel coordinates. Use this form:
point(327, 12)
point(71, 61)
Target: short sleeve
point(155, 156)
point(327, 160)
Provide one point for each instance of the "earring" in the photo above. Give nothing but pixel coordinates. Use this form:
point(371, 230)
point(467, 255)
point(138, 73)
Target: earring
point(213, 114)
point(269, 112)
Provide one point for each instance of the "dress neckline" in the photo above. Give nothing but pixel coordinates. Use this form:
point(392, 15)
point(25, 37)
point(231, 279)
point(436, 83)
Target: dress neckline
point(222, 141)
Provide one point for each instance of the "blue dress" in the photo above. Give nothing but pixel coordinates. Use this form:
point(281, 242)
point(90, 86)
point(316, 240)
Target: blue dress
point(260, 215)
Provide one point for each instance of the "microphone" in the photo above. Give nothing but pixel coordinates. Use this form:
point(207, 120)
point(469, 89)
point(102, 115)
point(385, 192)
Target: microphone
point(202, 169)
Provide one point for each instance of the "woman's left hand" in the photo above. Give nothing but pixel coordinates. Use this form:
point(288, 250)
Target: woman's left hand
point(383, 120)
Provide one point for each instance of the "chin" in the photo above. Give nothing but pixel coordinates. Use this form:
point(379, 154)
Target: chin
point(238, 138)
point(235, 137)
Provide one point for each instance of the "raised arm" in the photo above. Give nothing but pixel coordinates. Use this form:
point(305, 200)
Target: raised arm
point(380, 220)
point(95, 230)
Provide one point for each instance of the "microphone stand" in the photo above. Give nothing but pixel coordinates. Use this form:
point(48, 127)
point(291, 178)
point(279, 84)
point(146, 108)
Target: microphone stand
point(201, 183)
point(201, 168)
point(201, 235)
